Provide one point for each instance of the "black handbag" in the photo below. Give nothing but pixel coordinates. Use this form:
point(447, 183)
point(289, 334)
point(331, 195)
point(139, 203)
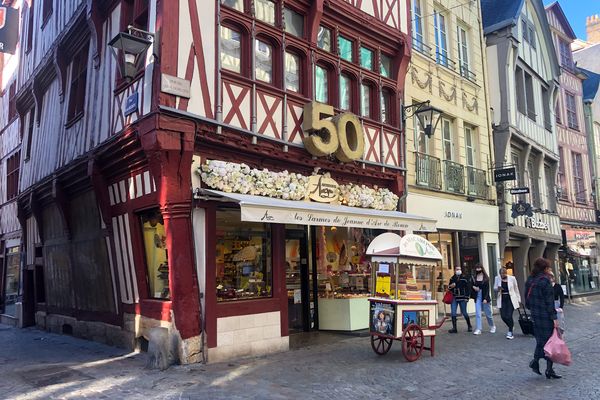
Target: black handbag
point(525, 322)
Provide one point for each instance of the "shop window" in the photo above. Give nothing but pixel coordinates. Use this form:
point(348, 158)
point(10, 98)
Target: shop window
point(345, 92)
point(385, 66)
point(235, 4)
point(345, 49)
point(78, 84)
point(366, 58)
point(292, 72)
point(157, 261)
point(366, 97)
point(294, 22)
point(264, 61)
point(11, 280)
point(243, 258)
point(324, 38)
point(321, 84)
point(265, 11)
point(343, 269)
point(231, 49)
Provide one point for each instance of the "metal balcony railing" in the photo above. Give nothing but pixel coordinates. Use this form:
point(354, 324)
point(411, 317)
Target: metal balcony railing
point(477, 182)
point(429, 171)
point(454, 177)
point(419, 45)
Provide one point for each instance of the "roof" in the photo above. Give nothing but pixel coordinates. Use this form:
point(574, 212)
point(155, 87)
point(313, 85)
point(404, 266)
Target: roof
point(499, 14)
point(558, 11)
point(588, 58)
point(590, 85)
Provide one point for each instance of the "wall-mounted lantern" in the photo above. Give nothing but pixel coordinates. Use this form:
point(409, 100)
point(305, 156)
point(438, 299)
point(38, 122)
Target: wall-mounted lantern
point(130, 49)
point(428, 116)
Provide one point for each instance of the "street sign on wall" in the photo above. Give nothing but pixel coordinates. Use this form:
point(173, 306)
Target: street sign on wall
point(522, 190)
point(9, 30)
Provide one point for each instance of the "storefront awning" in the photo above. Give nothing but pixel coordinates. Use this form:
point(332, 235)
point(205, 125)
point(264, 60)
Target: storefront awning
point(278, 211)
point(409, 249)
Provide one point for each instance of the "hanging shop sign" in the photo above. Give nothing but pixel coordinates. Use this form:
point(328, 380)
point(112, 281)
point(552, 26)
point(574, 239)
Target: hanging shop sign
point(323, 189)
point(327, 134)
point(521, 208)
point(418, 246)
point(535, 223)
point(9, 30)
point(523, 190)
point(581, 242)
point(505, 174)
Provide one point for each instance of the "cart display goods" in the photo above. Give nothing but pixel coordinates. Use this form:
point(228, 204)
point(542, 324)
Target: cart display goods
point(399, 310)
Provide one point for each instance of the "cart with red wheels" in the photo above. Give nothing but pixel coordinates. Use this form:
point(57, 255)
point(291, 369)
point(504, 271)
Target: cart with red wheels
point(399, 311)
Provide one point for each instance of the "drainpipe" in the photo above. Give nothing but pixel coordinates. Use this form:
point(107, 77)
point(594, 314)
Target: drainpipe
point(219, 100)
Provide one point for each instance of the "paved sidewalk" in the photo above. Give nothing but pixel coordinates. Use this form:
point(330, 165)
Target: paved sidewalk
point(39, 365)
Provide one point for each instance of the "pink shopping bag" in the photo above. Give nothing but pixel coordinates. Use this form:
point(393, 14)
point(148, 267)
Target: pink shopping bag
point(556, 349)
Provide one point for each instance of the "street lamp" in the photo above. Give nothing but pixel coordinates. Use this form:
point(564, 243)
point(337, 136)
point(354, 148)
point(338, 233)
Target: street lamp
point(133, 44)
point(428, 116)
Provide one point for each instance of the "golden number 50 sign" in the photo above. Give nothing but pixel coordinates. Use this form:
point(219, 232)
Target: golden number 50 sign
point(342, 134)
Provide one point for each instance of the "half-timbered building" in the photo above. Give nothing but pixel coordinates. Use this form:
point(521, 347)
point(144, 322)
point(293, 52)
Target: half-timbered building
point(133, 212)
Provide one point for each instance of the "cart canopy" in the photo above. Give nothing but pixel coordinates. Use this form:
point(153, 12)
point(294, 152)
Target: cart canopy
point(413, 249)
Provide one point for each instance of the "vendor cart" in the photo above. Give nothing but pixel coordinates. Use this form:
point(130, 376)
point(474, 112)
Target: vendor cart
point(399, 310)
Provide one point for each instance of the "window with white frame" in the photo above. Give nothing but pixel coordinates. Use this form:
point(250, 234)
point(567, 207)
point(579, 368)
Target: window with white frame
point(470, 146)
point(292, 72)
point(463, 52)
point(572, 121)
point(578, 181)
point(447, 139)
point(441, 38)
point(566, 57)
point(563, 187)
point(231, 49)
point(263, 61)
point(265, 11)
point(417, 25)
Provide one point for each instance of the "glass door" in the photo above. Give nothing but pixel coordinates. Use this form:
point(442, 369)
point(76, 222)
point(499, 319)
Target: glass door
point(297, 280)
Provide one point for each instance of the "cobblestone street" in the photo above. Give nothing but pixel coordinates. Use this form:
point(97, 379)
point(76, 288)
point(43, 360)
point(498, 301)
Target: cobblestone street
point(38, 365)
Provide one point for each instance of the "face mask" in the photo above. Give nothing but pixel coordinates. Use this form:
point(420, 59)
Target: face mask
point(458, 273)
point(478, 270)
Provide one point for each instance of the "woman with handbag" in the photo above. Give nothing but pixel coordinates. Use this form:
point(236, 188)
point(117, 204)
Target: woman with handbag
point(508, 299)
point(461, 291)
point(540, 300)
point(480, 292)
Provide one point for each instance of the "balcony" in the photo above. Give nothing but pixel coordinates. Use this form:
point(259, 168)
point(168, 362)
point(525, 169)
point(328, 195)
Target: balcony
point(428, 171)
point(454, 177)
point(419, 45)
point(465, 72)
point(477, 182)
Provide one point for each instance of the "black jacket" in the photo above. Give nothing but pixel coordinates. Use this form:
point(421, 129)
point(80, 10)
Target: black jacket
point(539, 297)
point(462, 290)
point(484, 286)
point(559, 294)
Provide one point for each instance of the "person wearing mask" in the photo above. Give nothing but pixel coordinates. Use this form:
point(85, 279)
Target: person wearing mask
point(540, 300)
point(509, 299)
point(480, 292)
point(461, 289)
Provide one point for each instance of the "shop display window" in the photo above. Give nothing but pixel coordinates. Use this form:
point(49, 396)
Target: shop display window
point(11, 287)
point(157, 264)
point(243, 258)
point(343, 269)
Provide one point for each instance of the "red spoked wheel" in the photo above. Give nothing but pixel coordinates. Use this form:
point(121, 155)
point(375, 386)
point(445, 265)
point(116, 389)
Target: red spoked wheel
point(380, 344)
point(413, 342)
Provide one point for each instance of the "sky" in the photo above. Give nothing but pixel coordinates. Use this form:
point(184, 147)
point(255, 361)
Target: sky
point(576, 11)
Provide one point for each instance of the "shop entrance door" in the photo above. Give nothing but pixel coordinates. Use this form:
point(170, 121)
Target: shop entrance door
point(297, 278)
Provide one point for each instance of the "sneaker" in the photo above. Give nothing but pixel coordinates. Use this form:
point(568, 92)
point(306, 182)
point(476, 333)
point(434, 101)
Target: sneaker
point(493, 329)
point(477, 332)
point(510, 336)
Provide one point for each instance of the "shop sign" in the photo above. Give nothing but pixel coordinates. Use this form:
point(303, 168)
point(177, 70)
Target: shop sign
point(453, 214)
point(523, 190)
point(323, 189)
point(417, 246)
point(327, 134)
point(9, 30)
point(581, 242)
point(535, 223)
point(505, 174)
point(521, 208)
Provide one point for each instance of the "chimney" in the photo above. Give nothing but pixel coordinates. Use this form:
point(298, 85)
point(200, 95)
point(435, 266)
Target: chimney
point(592, 25)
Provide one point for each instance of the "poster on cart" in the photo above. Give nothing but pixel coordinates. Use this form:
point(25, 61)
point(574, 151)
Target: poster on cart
point(420, 317)
point(382, 319)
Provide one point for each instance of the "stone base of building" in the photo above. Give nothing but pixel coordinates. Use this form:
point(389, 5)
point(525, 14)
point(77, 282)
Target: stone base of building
point(9, 320)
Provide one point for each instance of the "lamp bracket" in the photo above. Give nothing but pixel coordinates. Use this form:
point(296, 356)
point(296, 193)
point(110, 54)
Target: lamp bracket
point(410, 111)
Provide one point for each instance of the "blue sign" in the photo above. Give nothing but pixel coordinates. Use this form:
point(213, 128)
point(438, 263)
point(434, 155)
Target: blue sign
point(131, 105)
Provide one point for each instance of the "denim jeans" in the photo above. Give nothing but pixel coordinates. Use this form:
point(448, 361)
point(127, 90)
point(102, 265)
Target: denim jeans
point(487, 309)
point(463, 308)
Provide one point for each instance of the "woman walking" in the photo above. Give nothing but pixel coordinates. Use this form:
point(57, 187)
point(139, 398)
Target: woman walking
point(540, 300)
point(481, 294)
point(509, 299)
point(461, 288)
